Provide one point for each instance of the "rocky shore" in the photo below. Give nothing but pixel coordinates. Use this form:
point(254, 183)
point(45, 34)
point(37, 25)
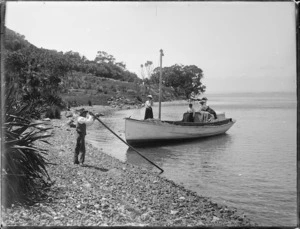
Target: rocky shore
point(108, 192)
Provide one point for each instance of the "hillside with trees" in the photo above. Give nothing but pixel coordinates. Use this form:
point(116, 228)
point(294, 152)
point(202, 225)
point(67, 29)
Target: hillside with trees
point(71, 79)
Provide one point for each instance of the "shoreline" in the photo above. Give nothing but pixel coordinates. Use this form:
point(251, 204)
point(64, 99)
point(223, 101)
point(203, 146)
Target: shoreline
point(109, 192)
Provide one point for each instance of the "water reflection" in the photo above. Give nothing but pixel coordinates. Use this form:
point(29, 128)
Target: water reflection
point(183, 152)
point(153, 154)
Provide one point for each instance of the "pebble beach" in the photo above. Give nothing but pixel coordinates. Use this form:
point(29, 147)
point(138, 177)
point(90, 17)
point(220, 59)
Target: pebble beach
point(109, 192)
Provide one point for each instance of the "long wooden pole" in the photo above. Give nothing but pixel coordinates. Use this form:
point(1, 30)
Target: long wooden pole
point(127, 143)
point(160, 83)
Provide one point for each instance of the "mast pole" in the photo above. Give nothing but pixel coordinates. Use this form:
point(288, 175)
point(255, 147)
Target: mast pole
point(160, 82)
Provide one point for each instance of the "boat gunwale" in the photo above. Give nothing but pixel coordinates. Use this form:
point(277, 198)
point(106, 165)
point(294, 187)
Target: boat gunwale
point(184, 124)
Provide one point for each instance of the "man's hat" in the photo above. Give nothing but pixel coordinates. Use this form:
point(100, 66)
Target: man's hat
point(82, 111)
point(149, 96)
point(204, 98)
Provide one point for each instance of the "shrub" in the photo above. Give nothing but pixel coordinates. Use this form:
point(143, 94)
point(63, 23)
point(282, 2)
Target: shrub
point(53, 112)
point(123, 88)
point(74, 103)
point(139, 98)
point(100, 89)
point(113, 88)
point(130, 91)
point(24, 171)
point(57, 112)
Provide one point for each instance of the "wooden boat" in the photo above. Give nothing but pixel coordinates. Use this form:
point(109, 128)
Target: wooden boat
point(155, 130)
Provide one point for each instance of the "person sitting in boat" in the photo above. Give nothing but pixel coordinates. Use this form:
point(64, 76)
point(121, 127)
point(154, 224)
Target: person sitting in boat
point(191, 112)
point(206, 108)
point(202, 115)
point(204, 101)
point(148, 105)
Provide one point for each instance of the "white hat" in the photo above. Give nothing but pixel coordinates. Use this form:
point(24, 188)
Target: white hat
point(149, 96)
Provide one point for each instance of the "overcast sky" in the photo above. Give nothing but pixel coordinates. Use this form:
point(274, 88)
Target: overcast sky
point(240, 46)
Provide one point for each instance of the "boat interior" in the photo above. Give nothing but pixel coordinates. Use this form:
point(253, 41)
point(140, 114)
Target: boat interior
point(201, 119)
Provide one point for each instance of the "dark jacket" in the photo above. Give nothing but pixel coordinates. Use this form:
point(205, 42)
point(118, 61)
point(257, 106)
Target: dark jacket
point(211, 111)
point(81, 128)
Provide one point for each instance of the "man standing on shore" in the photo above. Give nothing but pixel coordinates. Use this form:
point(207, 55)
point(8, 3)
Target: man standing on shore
point(84, 120)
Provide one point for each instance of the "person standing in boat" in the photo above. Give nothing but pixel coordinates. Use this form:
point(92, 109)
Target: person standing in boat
point(84, 120)
point(148, 105)
point(191, 112)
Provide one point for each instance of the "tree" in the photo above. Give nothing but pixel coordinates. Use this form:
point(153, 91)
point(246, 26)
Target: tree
point(182, 78)
point(122, 65)
point(14, 41)
point(36, 76)
point(104, 57)
point(142, 72)
point(74, 59)
point(195, 74)
point(149, 68)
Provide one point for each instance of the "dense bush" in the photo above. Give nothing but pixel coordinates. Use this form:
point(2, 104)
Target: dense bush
point(23, 163)
point(130, 91)
point(53, 112)
point(139, 98)
point(100, 89)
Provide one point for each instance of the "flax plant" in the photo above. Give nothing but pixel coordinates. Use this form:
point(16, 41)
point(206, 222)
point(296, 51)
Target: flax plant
point(24, 164)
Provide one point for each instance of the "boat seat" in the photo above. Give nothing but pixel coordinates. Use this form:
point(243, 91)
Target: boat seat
point(185, 117)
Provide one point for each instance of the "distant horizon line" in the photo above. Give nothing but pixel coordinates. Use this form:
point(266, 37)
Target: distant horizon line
point(250, 92)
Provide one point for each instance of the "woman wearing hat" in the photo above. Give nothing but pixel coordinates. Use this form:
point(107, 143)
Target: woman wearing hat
point(148, 105)
point(203, 104)
point(84, 120)
point(206, 108)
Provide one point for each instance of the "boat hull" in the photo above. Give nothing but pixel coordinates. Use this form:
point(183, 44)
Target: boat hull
point(146, 131)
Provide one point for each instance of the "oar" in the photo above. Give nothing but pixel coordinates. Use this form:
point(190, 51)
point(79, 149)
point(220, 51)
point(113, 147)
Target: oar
point(127, 143)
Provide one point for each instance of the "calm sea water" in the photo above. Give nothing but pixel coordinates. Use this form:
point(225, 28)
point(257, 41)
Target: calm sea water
point(252, 167)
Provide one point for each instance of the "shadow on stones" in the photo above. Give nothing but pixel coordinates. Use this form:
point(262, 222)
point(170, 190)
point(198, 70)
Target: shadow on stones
point(95, 167)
